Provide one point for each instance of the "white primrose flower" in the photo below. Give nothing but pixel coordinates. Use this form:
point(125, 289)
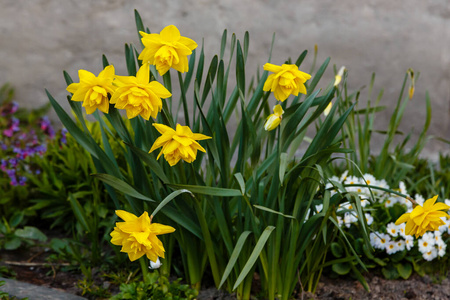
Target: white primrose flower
point(447, 201)
point(155, 265)
point(364, 202)
point(402, 187)
point(437, 236)
point(409, 242)
point(374, 239)
point(430, 255)
point(392, 229)
point(369, 179)
point(391, 247)
point(419, 199)
point(429, 236)
point(426, 245)
point(369, 218)
point(352, 180)
point(318, 209)
point(383, 241)
point(343, 176)
point(349, 219)
point(401, 245)
point(401, 230)
point(390, 201)
point(441, 248)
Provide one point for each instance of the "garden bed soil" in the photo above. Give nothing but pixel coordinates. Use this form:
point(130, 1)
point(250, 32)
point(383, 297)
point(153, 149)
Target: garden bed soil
point(30, 266)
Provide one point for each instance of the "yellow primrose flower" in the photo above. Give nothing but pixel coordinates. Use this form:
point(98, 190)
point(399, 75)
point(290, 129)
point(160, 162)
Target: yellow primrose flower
point(178, 144)
point(138, 96)
point(287, 80)
point(138, 236)
point(166, 50)
point(274, 119)
point(93, 91)
point(423, 219)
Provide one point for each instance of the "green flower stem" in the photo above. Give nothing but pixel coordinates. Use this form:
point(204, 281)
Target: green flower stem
point(144, 267)
point(208, 242)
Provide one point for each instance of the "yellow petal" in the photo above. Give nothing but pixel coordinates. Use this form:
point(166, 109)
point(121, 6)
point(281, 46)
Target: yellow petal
point(159, 89)
point(126, 216)
point(163, 128)
point(73, 87)
point(157, 228)
point(143, 75)
point(108, 72)
point(278, 110)
point(170, 33)
point(403, 218)
point(272, 68)
point(200, 137)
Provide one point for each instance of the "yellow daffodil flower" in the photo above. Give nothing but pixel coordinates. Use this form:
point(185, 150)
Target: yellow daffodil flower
point(178, 144)
point(287, 80)
point(93, 91)
point(138, 96)
point(423, 219)
point(138, 236)
point(274, 119)
point(166, 50)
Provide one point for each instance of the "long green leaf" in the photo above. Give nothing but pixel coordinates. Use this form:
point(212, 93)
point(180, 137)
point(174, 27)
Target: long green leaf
point(234, 256)
point(254, 256)
point(169, 198)
point(207, 190)
point(122, 186)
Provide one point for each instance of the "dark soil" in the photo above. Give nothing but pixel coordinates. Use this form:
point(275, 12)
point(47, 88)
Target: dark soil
point(30, 266)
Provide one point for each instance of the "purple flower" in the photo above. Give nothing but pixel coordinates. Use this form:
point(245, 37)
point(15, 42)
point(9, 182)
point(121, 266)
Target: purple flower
point(9, 108)
point(22, 180)
point(13, 126)
point(47, 127)
point(64, 135)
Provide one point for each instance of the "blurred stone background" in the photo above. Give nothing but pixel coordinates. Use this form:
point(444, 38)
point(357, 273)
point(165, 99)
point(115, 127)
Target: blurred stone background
point(41, 38)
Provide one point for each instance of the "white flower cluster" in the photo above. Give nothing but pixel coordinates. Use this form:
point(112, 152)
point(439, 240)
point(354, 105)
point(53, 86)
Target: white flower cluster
point(431, 244)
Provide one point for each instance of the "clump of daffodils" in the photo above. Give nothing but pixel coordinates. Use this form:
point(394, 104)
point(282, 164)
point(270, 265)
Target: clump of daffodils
point(138, 236)
point(140, 96)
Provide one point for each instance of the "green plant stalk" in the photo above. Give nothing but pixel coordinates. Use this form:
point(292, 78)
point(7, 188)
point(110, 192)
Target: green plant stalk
point(144, 268)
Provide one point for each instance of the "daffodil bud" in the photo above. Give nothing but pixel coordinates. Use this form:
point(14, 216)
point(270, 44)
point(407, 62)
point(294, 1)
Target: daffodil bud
point(339, 75)
point(328, 108)
point(274, 119)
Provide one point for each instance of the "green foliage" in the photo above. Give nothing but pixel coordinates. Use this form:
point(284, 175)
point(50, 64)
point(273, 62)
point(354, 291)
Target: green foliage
point(253, 195)
point(12, 237)
point(249, 204)
point(155, 286)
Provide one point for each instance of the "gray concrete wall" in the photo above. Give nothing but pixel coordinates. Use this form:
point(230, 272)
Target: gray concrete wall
point(40, 38)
